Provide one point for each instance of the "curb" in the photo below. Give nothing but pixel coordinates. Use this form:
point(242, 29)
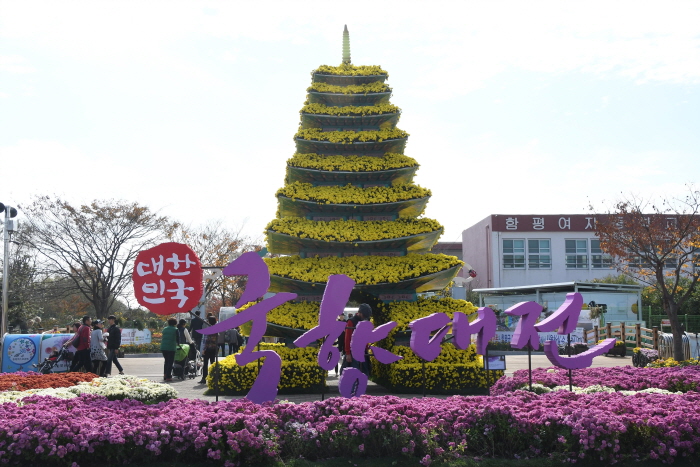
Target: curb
point(142, 355)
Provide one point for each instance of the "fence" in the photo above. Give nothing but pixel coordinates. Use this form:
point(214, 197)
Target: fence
point(634, 335)
point(691, 323)
point(649, 338)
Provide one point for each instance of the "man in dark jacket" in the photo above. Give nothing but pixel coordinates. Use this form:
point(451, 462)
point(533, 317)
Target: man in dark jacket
point(364, 313)
point(114, 341)
point(196, 324)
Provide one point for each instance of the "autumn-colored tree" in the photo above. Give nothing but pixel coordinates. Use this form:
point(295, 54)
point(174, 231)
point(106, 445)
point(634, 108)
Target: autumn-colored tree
point(92, 246)
point(659, 245)
point(216, 246)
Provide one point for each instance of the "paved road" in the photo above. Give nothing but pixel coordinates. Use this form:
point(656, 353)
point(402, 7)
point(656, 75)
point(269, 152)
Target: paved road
point(152, 368)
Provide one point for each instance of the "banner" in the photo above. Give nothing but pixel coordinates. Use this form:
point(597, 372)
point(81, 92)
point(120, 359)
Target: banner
point(576, 337)
point(20, 351)
point(135, 337)
point(51, 343)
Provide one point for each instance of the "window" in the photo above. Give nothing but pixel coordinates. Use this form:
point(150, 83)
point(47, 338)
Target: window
point(639, 262)
point(577, 254)
point(513, 254)
point(598, 259)
point(538, 254)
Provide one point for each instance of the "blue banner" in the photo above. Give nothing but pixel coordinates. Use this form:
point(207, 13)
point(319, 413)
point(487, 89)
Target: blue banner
point(20, 351)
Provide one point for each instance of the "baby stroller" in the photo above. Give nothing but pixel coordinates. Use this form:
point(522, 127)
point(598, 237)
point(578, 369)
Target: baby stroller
point(188, 362)
point(49, 362)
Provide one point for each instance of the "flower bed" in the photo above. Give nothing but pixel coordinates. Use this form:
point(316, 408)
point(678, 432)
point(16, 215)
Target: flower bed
point(352, 230)
point(454, 371)
point(671, 362)
point(604, 427)
point(683, 379)
point(350, 110)
point(643, 357)
point(348, 69)
point(300, 315)
point(351, 163)
point(362, 269)
point(23, 381)
point(346, 137)
point(153, 347)
point(353, 194)
point(377, 86)
point(115, 388)
point(300, 372)
point(403, 313)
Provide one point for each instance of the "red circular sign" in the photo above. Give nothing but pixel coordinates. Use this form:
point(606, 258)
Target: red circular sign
point(168, 278)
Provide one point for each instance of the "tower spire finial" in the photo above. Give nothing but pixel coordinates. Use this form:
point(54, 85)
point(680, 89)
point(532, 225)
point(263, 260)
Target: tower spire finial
point(346, 46)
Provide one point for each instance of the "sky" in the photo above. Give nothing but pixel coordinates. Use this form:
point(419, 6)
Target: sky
point(190, 108)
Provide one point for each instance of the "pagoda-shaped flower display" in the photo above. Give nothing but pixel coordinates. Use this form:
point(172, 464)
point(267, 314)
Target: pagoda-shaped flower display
point(349, 206)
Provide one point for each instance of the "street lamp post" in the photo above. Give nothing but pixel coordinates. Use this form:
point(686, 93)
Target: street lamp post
point(8, 226)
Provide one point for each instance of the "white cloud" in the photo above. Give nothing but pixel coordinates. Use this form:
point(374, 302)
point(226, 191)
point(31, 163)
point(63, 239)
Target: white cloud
point(467, 39)
point(15, 64)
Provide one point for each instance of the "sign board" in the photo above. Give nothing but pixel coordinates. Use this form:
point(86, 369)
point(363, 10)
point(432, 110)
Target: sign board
point(497, 362)
point(20, 352)
point(576, 337)
point(135, 337)
point(51, 343)
point(665, 322)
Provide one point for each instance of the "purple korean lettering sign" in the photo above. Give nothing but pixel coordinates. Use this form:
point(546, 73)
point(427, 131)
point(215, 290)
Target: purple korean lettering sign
point(168, 278)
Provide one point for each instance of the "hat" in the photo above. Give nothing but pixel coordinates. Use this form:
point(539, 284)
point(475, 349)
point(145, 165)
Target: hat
point(97, 321)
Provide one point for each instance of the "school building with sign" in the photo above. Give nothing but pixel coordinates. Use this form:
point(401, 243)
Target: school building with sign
point(518, 250)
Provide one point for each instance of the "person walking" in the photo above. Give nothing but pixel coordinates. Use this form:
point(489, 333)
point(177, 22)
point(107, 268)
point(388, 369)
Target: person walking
point(73, 339)
point(196, 324)
point(168, 344)
point(81, 342)
point(211, 347)
point(221, 342)
point(97, 350)
point(231, 338)
point(364, 313)
point(114, 341)
point(183, 333)
point(340, 343)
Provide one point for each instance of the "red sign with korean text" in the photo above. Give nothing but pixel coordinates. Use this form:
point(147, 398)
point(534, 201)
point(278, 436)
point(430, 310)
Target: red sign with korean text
point(168, 278)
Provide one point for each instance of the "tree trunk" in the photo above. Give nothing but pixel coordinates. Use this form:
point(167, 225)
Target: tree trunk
point(677, 330)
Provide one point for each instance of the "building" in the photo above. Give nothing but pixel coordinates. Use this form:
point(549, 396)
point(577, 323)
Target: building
point(448, 248)
point(529, 249)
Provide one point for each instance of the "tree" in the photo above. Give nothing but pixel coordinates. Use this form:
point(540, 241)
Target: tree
point(92, 246)
point(216, 246)
point(621, 279)
point(22, 288)
point(660, 248)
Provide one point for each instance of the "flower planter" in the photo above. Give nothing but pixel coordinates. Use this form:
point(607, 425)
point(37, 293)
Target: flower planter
point(434, 281)
point(279, 243)
point(332, 99)
point(349, 122)
point(315, 176)
point(362, 148)
point(342, 80)
point(303, 208)
point(617, 351)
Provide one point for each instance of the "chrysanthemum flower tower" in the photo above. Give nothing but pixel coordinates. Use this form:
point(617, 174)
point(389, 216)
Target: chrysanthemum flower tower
point(349, 206)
